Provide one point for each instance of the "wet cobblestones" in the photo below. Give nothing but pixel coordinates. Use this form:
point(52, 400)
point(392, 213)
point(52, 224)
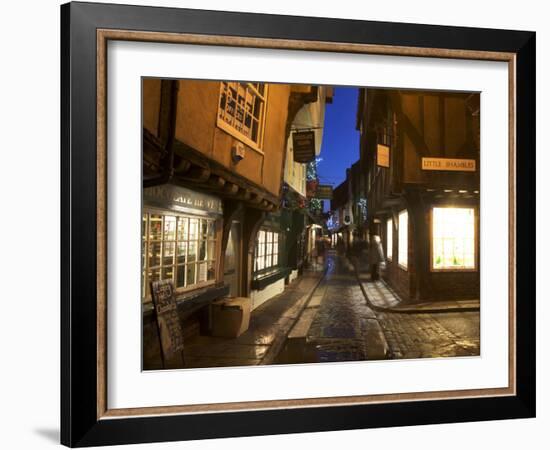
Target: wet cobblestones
point(344, 327)
point(423, 336)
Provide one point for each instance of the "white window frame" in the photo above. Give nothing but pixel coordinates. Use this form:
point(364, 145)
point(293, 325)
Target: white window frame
point(475, 242)
point(389, 239)
point(403, 247)
point(226, 121)
point(267, 249)
point(211, 251)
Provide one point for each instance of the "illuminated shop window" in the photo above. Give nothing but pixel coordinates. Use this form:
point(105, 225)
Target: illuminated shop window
point(266, 255)
point(241, 111)
point(389, 239)
point(178, 248)
point(453, 235)
point(403, 239)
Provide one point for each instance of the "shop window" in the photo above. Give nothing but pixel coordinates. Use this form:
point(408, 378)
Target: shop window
point(453, 239)
point(178, 248)
point(403, 239)
point(266, 255)
point(241, 111)
point(389, 239)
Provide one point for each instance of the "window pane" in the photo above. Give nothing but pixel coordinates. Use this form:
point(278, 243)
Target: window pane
point(154, 254)
point(202, 272)
point(144, 226)
point(453, 238)
point(211, 229)
point(143, 251)
point(261, 262)
point(192, 252)
point(154, 275)
point(261, 243)
point(193, 229)
point(168, 273)
point(155, 227)
point(182, 228)
point(190, 274)
point(169, 228)
point(389, 238)
point(180, 276)
point(204, 228)
point(403, 244)
point(211, 270)
point(202, 250)
point(181, 250)
point(143, 285)
point(168, 255)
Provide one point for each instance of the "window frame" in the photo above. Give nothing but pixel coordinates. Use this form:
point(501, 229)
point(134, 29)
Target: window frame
point(265, 271)
point(389, 239)
point(230, 129)
point(145, 251)
point(399, 263)
point(476, 240)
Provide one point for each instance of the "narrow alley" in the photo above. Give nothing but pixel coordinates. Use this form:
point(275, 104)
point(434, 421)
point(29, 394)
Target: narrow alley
point(338, 325)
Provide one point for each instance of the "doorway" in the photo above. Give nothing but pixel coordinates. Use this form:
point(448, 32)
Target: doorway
point(233, 258)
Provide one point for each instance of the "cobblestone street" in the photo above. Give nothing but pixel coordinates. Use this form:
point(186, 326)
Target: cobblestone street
point(430, 335)
point(338, 325)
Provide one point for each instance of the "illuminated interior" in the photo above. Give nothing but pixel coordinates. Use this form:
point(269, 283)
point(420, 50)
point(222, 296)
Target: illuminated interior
point(403, 236)
point(389, 239)
point(453, 238)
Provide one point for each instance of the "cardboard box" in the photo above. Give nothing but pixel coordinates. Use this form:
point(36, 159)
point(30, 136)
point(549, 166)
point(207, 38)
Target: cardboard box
point(230, 316)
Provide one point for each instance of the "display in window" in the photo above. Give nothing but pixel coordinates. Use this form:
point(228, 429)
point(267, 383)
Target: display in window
point(177, 248)
point(453, 238)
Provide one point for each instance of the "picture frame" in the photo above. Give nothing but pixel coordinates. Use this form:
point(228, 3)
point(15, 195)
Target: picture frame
point(86, 418)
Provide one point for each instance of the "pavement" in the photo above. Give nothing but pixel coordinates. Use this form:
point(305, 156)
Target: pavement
point(425, 330)
point(266, 335)
point(382, 298)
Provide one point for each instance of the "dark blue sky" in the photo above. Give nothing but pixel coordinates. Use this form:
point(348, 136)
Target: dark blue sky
point(340, 147)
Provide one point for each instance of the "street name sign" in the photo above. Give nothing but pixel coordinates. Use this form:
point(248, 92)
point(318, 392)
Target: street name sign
point(449, 164)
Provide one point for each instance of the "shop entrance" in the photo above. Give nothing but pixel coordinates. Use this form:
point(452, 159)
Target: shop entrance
point(232, 262)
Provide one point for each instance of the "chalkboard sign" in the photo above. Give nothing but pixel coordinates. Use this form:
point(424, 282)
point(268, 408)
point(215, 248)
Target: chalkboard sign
point(168, 321)
point(303, 146)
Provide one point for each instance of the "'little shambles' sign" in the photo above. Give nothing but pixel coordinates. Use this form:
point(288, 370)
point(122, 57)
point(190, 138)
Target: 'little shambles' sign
point(458, 165)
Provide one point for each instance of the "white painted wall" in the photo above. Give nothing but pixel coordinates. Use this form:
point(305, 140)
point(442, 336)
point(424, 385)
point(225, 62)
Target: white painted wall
point(292, 276)
point(259, 297)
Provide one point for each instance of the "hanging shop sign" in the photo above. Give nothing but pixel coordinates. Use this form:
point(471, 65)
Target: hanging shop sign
point(382, 155)
point(311, 188)
point(324, 191)
point(449, 164)
point(176, 198)
point(303, 146)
